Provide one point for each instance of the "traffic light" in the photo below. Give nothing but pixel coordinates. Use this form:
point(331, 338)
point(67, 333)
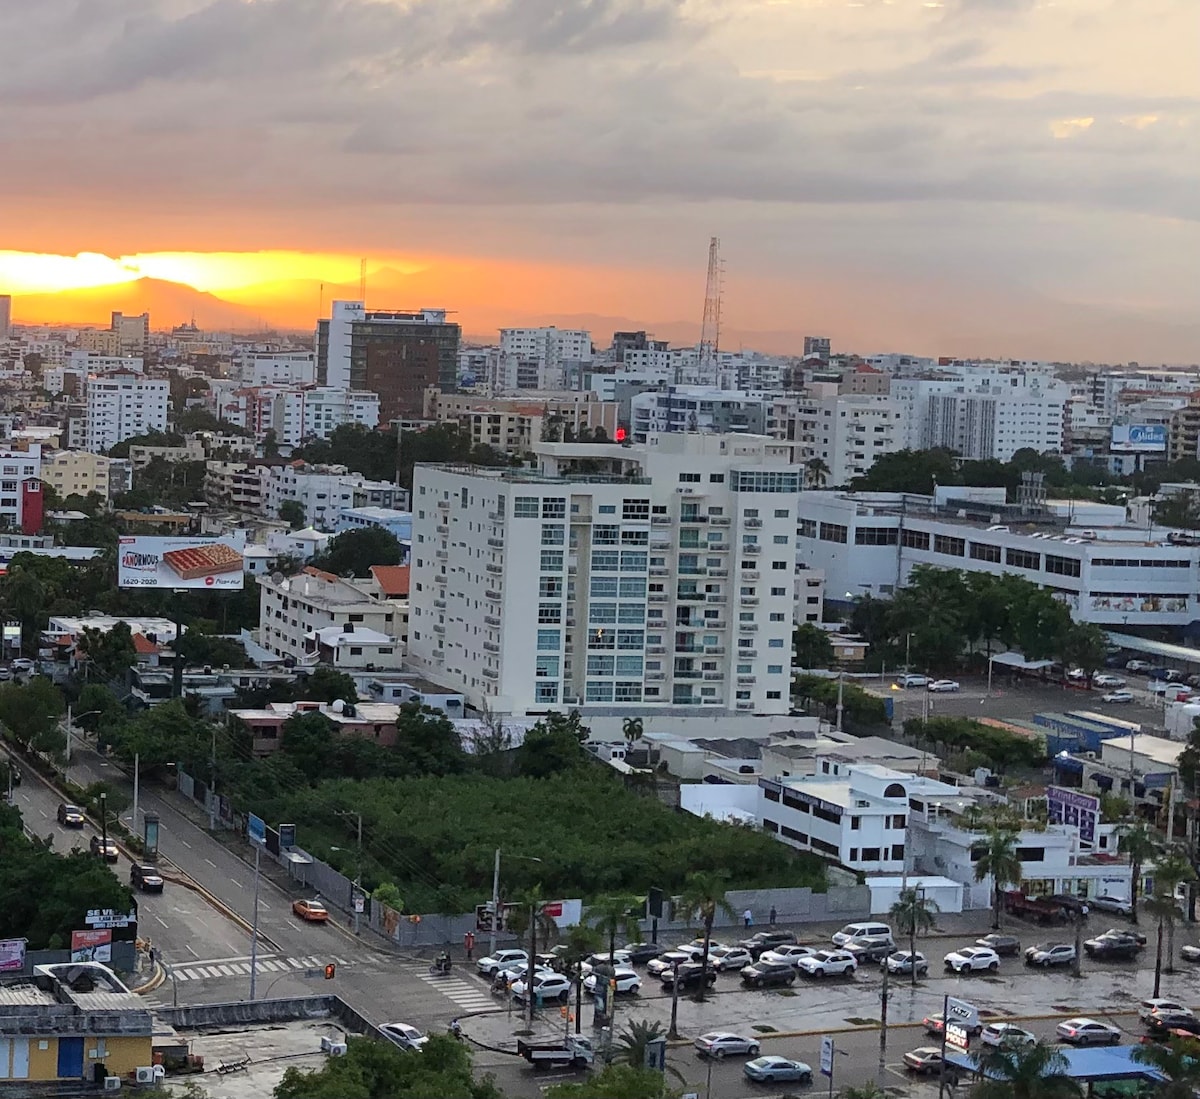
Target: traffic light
point(330, 970)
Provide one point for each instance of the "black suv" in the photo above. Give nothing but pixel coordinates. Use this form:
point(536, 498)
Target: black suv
point(762, 974)
point(1117, 948)
point(70, 815)
point(766, 940)
point(690, 976)
point(144, 876)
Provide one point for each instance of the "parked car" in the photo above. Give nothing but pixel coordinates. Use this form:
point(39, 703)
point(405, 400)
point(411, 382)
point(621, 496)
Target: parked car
point(405, 1036)
point(1048, 954)
point(1076, 675)
point(727, 958)
point(777, 1070)
point(70, 816)
point(785, 954)
point(546, 986)
point(763, 974)
point(145, 876)
point(1165, 1022)
point(971, 959)
point(902, 961)
point(1004, 945)
point(628, 981)
point(105, 848)
point(720, 1044)
point(690, 975)
point(870, 948)
point(943, 686)
point(1161, 1003)
point(1082, 1031)
point(934, 1024)
point(825, 963)
point(924, 1060)
point(1141, 666)
point(664, 963)
point(1105, 679)
point(502, 959)
point(1109, 947)
point(617, 958)
point(859, 931)
point(641, 953)
point(1139, 935)
point(517, 971)
point(765, 940)
point(1006, 1034)
point(310, 911)
point(23, 664)
point(912, 681)
point(1117, 696)
point(1190, 953)
point(1115, 905)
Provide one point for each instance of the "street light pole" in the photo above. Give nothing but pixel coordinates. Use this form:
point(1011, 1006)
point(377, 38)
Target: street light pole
point(104, 824)
point(495, 905)
point(841, 680)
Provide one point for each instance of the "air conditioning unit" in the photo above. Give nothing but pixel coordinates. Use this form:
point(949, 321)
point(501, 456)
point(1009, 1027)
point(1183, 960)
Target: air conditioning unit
point(112, 1083)
point(332, 1046)
point(144, 1074)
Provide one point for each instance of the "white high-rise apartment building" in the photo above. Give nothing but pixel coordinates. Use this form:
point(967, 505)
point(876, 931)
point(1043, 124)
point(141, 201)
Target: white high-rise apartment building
point(296, 414)
point(121, 405)
point(663, 581)
point(848, 433)
point(552, 345)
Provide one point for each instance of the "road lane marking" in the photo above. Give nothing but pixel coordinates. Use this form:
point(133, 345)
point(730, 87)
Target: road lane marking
point(186, 844)
point(237, 883)
point(160, 919)
point(296, 964)
point(263, 904)
point(211, 863)
point(189, 946)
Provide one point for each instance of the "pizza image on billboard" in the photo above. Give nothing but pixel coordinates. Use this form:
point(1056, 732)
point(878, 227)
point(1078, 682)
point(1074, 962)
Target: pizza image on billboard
point(181, 562)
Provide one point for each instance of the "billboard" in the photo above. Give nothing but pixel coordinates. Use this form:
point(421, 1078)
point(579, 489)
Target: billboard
point(1139, 438)
point(91, 946)
point(12, 955)
point(181, 562)
point(1072, 807)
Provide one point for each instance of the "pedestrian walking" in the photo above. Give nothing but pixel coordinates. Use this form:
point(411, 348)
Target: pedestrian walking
point(748, 918)
point(773, 915)
point(469, 943)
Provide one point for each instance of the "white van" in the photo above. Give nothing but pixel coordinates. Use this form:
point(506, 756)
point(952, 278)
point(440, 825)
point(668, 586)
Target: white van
point(861, 931)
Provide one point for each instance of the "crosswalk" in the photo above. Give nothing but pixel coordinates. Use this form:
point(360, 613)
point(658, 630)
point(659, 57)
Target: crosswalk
point(464, 994)
point(219, 968)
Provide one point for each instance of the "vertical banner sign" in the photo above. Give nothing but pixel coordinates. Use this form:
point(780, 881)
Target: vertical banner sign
point(256, 829)
point(827, 1056)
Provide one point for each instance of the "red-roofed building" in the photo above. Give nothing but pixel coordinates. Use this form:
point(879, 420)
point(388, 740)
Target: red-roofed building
point(391, 580)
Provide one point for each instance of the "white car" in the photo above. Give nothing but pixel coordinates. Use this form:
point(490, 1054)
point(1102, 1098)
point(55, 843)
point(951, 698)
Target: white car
point(943, 686)
point(664, 963)
point(912, 681)
point(1117, 696)
point(627, 980)
point(405, 1036)
point(730, 958)
point(720, 1044)
point(517, 972)
point(1148, 1007)
point(546, 986)
point(1076, 675)
point(1138, 665)
point(1119, 905)
point(1006, 1034)
point(825, 963)
point(785, 953)
point(23, 664)
point(1082, 1031)
point(969, 959)
point(1105, 679)
point(902, 961)
point(502, 959)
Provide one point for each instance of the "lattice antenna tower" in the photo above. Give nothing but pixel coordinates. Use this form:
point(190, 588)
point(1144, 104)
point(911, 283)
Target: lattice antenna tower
point(710, 326)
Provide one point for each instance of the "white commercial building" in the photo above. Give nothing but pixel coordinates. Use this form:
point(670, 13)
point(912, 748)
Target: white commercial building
point(121, 405)
point(276, 368)
point(847, 433)
point(324, 491)
point(1105, 570)
point(692, 408)
point(639, 577)
point(296, 414)
point(551, 345)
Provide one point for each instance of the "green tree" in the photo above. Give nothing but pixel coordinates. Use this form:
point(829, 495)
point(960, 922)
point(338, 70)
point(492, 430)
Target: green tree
point(998, 860)
point(325, 684)
point(1179, 1060)
point(292, 512)
point(635, 1039)
point(1171, 869)
point(1028, 1072)
point(702, 898)
point(25, 596)
point(353, 552)
point(913, 913)
point(387, 893)
point(110, 653)
point(163, 735)
point(612, 915)
point(1138, 843)
point(579, 944)
point(811, 647)
point(308, 738)
point(201, 647)
point(915, 471)
point(553, 745)
point(30, 712)
point(614, 1082)
point(1083, 645)
point(816, 473)
point(631, 729)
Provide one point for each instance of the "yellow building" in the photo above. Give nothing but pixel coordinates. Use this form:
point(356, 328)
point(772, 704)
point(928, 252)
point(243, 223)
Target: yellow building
point(77, 472)
point(55, 1026)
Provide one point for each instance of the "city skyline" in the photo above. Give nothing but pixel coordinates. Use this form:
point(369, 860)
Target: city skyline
point(977, 177)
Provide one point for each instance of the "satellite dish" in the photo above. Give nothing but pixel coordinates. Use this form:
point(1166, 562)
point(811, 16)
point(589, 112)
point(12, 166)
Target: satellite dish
point(339, 706)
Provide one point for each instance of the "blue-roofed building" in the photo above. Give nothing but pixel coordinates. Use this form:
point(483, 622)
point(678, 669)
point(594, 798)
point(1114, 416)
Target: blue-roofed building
point(1094, 1065)
point(398, 522)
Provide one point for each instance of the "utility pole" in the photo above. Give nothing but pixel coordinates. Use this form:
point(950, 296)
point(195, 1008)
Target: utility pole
point(841, 682)
point(673, 1033)
point(104, 823)
point(883, 1019)
point(137, 759)
point(254, 927)
point(495, 904)
point(212, 783)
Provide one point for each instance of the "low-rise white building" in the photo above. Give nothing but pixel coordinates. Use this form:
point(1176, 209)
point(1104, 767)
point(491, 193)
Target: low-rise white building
point(324, 491)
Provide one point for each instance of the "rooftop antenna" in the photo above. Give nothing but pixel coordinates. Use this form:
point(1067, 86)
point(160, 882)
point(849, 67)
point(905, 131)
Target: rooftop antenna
point(710, 326)
point(362, 281)
point(321, 301)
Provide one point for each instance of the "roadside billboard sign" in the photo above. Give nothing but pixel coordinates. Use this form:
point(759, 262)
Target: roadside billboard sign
point(1139, 438)
point(827, 1056)
point(1065, 806)
point(91, 946)
point(181, 562)
point(256, 829)
point(12, 955)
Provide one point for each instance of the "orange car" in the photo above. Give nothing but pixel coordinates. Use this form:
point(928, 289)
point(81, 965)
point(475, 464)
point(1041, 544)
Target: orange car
point(310, 911)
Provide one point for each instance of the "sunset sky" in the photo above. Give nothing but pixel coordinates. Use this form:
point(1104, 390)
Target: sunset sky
point(990, 177)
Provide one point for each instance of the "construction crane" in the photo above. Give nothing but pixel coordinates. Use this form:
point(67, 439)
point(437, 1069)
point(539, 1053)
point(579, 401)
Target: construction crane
point(710, 326)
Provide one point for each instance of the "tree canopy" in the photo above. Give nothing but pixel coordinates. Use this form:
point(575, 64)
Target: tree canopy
point(353, 552)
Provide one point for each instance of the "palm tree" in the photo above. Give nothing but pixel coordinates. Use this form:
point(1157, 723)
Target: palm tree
point(1030, 1072)
point(1171, 870)
point(1162, 907)
point(816, 473)
point(1179, 1060)
point(913, 912)
point(998, 858)
point(703, 897)
point(530, 915)
point(634, 1039)
point(1139, 843)
point(632, 728)
point(581, 943)
point(614, 915)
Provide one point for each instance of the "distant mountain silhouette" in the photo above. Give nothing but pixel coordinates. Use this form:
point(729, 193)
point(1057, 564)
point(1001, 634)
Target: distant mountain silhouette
point(168, 303)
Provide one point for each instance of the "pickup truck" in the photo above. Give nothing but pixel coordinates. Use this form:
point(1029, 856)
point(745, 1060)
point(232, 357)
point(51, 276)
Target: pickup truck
point(574, 1052)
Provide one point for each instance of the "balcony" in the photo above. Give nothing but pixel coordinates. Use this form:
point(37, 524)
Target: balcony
point(714, 650)
point(747, 680)
point(570, 621)
point(748, 627)
point(749, 601)
point(655, 677)
point(495, 570)
point(717, 547)
point(656, 650)
point(690, 597)
point(491, 673)
point(493, 594)
point(490, 647)
point(491, 620)
point(496, 543)
point(718, 572)
point(689, 675)
point(495, 516)
point(689, 649)
point(441, 554)
point(753, 523)
point(719, 520)
point(751, 547)
point(660, 520)
point(658, 570)
point(743, 704)
point(747, 654)
point(444, 505)
point(749, 574)
point(693, 519)
point(716, 598)
point(440, 604)
point(658, 597)
point(443, 528)
point(714, 677)
point(439, 627)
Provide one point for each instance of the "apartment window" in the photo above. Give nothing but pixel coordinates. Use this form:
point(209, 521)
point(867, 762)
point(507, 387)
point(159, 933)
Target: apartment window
point(1062, 566)
point(549, 640)
point(897, 852)
point(554, 508)
point(550, 587)
point(632, 613)
point(773, 696)
point(775, 643)
point(807, 528)
point(833, 532)
point(780, 566)
point(779, 591)
point(1023, 559)
point(689, 478)
point(855, 823)
point(981, 551)
point(870, 854)
point(875, 536)
point(604, 535)
point(549, 612)
point(780, 539)
point(600, 691)
point(547, 667)
point(605, 560)
point(915, 539)
point(601, 639)
point(782, 513)
point(774, 669)
point(951, 547)
point(599, 665)
point(635, 509)
point(629, 665)
point(546, 692)
point(627, 691)
point(604, 587)
point(776, 616)
point(602, 613)
point(633, 587)
point(633, 639)
point(633, 561)
point(526, 507)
